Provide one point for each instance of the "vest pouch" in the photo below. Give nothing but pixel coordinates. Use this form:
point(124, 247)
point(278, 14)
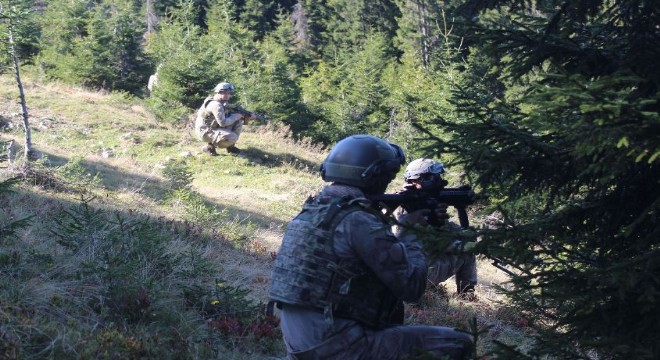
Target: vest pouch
point(362, 298)
point(308, 273)
point(204, 114)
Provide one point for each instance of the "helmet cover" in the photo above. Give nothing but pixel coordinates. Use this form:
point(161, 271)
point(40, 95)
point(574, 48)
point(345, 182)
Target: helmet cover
point(224, 86)
point(422, 166)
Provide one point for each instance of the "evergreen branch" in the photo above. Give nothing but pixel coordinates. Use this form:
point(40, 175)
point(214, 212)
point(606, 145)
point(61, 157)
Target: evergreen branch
point(525, 138)
point(6, 185)
point(10, 229)
point(443, 143)
point(510, 351)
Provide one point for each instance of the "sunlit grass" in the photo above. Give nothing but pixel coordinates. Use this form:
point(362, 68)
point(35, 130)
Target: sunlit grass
point(232, 216)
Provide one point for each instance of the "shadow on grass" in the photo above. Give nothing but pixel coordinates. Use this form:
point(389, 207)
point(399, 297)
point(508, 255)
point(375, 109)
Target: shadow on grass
point(286, 159)
point(147, 300)
point(116, 179)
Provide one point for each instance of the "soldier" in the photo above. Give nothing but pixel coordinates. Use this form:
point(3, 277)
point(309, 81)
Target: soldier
point(426, 174)
point(341, 272)
point(216, 125)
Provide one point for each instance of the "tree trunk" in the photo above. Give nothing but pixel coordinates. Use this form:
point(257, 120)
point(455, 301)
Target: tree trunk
point(152, 19)
point(30, 153)
point(424, 32)
point(9, 147)
point(300, 21)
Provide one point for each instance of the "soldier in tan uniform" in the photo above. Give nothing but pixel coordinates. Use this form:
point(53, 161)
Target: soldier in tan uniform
point(216, 125)
point(341, 272)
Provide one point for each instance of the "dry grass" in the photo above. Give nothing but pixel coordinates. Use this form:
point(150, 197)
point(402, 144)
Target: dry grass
point(260, 190)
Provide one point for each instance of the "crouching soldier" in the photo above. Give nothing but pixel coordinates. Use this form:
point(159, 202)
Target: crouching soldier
point(341, 273)
point(216, 124)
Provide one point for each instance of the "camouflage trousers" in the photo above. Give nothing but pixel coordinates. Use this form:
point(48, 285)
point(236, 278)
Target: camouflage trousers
point(302, 328)
point(223, 137)
point(398, 342)
point(464, 266)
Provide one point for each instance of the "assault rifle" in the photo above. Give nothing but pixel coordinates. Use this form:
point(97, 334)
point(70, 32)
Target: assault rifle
point(238, 109)
point(413, 199)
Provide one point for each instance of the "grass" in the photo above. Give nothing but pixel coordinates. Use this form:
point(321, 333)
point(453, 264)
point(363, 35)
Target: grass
point(125, 251)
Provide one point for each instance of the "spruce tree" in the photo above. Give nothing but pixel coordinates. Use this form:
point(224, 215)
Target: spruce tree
point(418, 27)
point(285, 35)
point(193, 59)
point(309, 18)
point(260, 15)
point(416, 96)
point(95, 44)
point(351, 22)
point(559, 121)
point(183, 67)
point(272, 85)
point(348, 94)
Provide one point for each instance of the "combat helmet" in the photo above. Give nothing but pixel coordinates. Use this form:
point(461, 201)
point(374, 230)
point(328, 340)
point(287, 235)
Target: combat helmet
point(427, 171)
point(364, 161)
point(224, 86)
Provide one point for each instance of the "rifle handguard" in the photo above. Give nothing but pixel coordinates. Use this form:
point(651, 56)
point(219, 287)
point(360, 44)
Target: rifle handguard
point(245, 112)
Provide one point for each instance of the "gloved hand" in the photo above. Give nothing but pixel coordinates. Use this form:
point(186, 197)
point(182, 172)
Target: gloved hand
point(418, 217)
point(461, 247)
point(441, 216)
point(469, 246)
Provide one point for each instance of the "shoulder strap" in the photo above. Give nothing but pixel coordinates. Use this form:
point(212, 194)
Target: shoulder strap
point(344, 206)
point(335, 207)
point(206, 102)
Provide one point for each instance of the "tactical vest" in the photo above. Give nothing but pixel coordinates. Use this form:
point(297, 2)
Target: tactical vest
point(204, 114)
point(308, 273)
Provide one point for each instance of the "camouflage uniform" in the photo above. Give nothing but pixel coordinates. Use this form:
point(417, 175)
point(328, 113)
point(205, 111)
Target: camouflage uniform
point(426, 173)
point(360, 237)
point(464, 266)
point(453, 262)
point(215, 125)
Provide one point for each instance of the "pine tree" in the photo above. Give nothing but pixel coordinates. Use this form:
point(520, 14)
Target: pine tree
point(559, 124)
point(309, 22)
point(95, 44)
point(272, 87)
point(350, 23)
point(418, 28)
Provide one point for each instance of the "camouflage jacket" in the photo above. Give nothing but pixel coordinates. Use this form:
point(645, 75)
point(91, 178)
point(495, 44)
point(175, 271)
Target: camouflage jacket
point(213, 115)
point(360, 237)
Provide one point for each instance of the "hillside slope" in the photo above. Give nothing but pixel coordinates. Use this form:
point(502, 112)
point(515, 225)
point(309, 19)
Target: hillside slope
point(108, 152)
point(118, 138)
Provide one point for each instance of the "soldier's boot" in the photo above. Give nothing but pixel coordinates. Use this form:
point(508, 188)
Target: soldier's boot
point(465, 290)
point(399, 314)
point(209, 149)
point(233, 150)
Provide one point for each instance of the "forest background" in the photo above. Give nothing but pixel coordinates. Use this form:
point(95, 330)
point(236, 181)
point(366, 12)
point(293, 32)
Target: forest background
point(549, 107)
